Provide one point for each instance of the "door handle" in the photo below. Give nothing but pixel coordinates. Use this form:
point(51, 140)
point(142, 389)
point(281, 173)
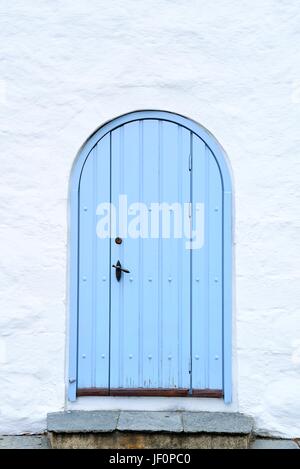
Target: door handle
point(119, 270)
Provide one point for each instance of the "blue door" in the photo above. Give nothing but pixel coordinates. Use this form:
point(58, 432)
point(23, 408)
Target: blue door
point(150, 263)
point(150, 306)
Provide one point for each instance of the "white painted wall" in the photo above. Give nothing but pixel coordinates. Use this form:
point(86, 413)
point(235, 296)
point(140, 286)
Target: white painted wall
point(66, 67)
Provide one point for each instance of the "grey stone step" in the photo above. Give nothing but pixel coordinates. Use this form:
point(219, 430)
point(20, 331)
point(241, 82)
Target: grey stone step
point(136, 429)
point(23, 442)
point(82, 421)
point(263, 443)
point(146, 421)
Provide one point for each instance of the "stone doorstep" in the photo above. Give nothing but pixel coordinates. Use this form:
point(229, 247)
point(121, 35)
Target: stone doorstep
point(23, 442)
point(137, 429)
point(147, 421)
point(272, 443)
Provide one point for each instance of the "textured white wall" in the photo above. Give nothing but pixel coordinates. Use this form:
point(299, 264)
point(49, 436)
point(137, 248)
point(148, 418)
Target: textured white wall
point(68, 66)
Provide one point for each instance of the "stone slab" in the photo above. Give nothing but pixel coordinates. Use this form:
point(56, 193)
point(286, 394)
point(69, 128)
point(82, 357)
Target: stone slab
point(217, 422)
point(150, 421)
point(23, 442)
point(146, 421)
point(78, 421)
point(274, 444)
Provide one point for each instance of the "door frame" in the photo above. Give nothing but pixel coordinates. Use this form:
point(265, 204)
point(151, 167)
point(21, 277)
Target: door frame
point(224, 167)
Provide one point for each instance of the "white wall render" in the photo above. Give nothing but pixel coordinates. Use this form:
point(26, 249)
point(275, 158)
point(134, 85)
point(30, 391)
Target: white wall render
point(67, 67)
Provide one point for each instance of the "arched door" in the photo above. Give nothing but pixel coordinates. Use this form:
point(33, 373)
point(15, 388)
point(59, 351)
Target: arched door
point(151, 256)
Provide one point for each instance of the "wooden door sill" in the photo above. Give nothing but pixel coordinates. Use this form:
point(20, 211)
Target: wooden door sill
point(211, 393)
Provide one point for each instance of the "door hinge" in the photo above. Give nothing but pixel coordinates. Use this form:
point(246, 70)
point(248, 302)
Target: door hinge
point(190, 209)
point(190, 162)
point(190, 365)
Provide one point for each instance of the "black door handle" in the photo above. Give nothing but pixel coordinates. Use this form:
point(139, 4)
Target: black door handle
point(119, 270)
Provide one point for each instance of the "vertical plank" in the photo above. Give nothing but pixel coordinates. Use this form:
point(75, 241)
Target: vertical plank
point(184, 263)
point(102, 270)
point(93, 316)
point(150, 246)
point(117, 253)
point(85, 280)
point(132, 259)
point(125, 294)
point(200, 262)
point(207, 264)
point(175, 274)
point(215, 326)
